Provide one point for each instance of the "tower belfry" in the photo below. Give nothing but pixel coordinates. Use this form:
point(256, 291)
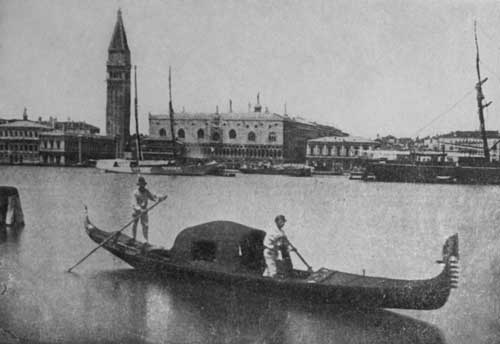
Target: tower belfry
point(118, 87)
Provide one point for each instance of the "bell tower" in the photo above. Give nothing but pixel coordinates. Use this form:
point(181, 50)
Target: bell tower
point(118, 87)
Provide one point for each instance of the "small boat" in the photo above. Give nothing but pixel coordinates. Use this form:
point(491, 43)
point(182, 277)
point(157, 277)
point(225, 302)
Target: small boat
point(165, 168)
point(232, 253)
point(357, 173)
point(295, 170)
point(334, 171)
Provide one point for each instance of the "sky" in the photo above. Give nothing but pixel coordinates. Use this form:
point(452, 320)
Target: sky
point(405, 68)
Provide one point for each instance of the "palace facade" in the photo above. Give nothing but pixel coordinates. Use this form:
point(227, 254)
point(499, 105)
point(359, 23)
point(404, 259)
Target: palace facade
point(240, 137)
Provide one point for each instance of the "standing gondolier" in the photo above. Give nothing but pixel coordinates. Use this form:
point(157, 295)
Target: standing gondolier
point(140, 205)
point(276, 244)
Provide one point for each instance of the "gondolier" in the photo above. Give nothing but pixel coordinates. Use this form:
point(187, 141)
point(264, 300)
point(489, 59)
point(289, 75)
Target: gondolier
point(276, 246)
point(140, 205)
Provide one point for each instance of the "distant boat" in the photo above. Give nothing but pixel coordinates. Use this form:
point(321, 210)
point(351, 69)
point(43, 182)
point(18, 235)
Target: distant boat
point(159, 167)
point(336, 170)
point(357, 173)
point(232, 253)
point(296, 170)
point(468, 170)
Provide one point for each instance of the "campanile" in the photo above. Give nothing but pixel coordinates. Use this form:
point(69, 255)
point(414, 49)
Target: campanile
point(118, 87)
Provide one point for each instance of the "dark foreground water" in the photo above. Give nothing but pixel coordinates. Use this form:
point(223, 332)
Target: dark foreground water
point(392, 230)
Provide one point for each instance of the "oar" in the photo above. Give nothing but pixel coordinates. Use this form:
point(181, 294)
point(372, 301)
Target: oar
point(294, 249)
point(114, 234)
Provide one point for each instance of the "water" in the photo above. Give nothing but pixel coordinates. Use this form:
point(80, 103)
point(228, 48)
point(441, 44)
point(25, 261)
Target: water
point(392, 230)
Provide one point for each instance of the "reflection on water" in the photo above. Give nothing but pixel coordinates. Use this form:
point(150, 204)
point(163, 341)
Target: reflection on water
point(10, 234)
point(194, 311)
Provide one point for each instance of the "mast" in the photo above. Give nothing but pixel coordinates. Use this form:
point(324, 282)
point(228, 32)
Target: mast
point(480, 98)
point(137, 138)
point(171, 111)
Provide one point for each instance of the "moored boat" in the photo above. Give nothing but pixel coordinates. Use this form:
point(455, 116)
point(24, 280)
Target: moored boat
point(296, 170)
point(166, 168)
point(467, 170)
point(232, 253)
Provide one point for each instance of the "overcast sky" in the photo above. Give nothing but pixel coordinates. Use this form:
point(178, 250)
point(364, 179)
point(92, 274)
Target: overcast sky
point(369, 67)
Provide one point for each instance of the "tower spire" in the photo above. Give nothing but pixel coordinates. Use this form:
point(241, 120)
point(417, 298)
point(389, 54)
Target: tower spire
point(119, 38)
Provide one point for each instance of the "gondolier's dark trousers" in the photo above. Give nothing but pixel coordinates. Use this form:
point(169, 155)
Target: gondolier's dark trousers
point(144, 223)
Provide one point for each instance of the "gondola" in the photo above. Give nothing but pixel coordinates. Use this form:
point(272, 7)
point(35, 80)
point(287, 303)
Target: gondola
point(231, 253)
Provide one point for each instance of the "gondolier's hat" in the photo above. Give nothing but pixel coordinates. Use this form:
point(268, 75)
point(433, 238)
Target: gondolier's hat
point(141, 181)
point(280, 217)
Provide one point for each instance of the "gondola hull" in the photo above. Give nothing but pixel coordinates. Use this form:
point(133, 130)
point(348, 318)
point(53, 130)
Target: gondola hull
point(322, 286)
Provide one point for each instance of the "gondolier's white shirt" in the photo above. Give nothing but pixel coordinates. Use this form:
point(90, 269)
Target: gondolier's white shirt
point(275, 238)
point(141, 199)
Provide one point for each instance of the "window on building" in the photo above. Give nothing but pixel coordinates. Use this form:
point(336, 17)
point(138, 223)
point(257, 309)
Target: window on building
point(162, 132)
point(181, 134)
point(251, 136)
point(232, 134)
point(272, 136)
point(215, 136)
point(201, 134)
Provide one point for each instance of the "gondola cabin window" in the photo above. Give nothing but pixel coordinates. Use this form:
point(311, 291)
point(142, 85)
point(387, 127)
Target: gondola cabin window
point(203, 250)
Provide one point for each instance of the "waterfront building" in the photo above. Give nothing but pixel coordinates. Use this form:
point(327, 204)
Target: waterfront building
point(241, 137)
point(335, 152)
point(118, 87)
point(19, 141)
point(460, 144)
point(70, 148)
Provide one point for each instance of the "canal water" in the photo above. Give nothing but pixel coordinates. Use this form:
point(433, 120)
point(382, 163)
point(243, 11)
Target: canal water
point(391, 230)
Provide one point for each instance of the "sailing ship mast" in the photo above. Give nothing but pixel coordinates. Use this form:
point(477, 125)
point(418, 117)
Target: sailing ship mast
point(137, 138)
point(171, 111)
point(480, 98)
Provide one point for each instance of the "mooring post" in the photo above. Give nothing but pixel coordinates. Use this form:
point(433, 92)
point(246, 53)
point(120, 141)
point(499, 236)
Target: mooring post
point(11, 212)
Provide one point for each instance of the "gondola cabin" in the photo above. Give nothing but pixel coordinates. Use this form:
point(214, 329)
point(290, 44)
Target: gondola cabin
point(221, 246)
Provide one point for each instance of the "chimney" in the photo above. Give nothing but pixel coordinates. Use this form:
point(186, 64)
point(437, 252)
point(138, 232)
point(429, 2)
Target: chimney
point(258, 107)
point(25, 114)
point(230, 106)
point(217, 109)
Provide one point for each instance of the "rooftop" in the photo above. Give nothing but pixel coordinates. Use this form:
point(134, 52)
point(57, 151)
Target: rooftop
point(24, 124)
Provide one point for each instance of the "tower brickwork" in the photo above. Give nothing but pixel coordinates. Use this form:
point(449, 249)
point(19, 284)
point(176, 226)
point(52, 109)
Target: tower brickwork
point(118, 87)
